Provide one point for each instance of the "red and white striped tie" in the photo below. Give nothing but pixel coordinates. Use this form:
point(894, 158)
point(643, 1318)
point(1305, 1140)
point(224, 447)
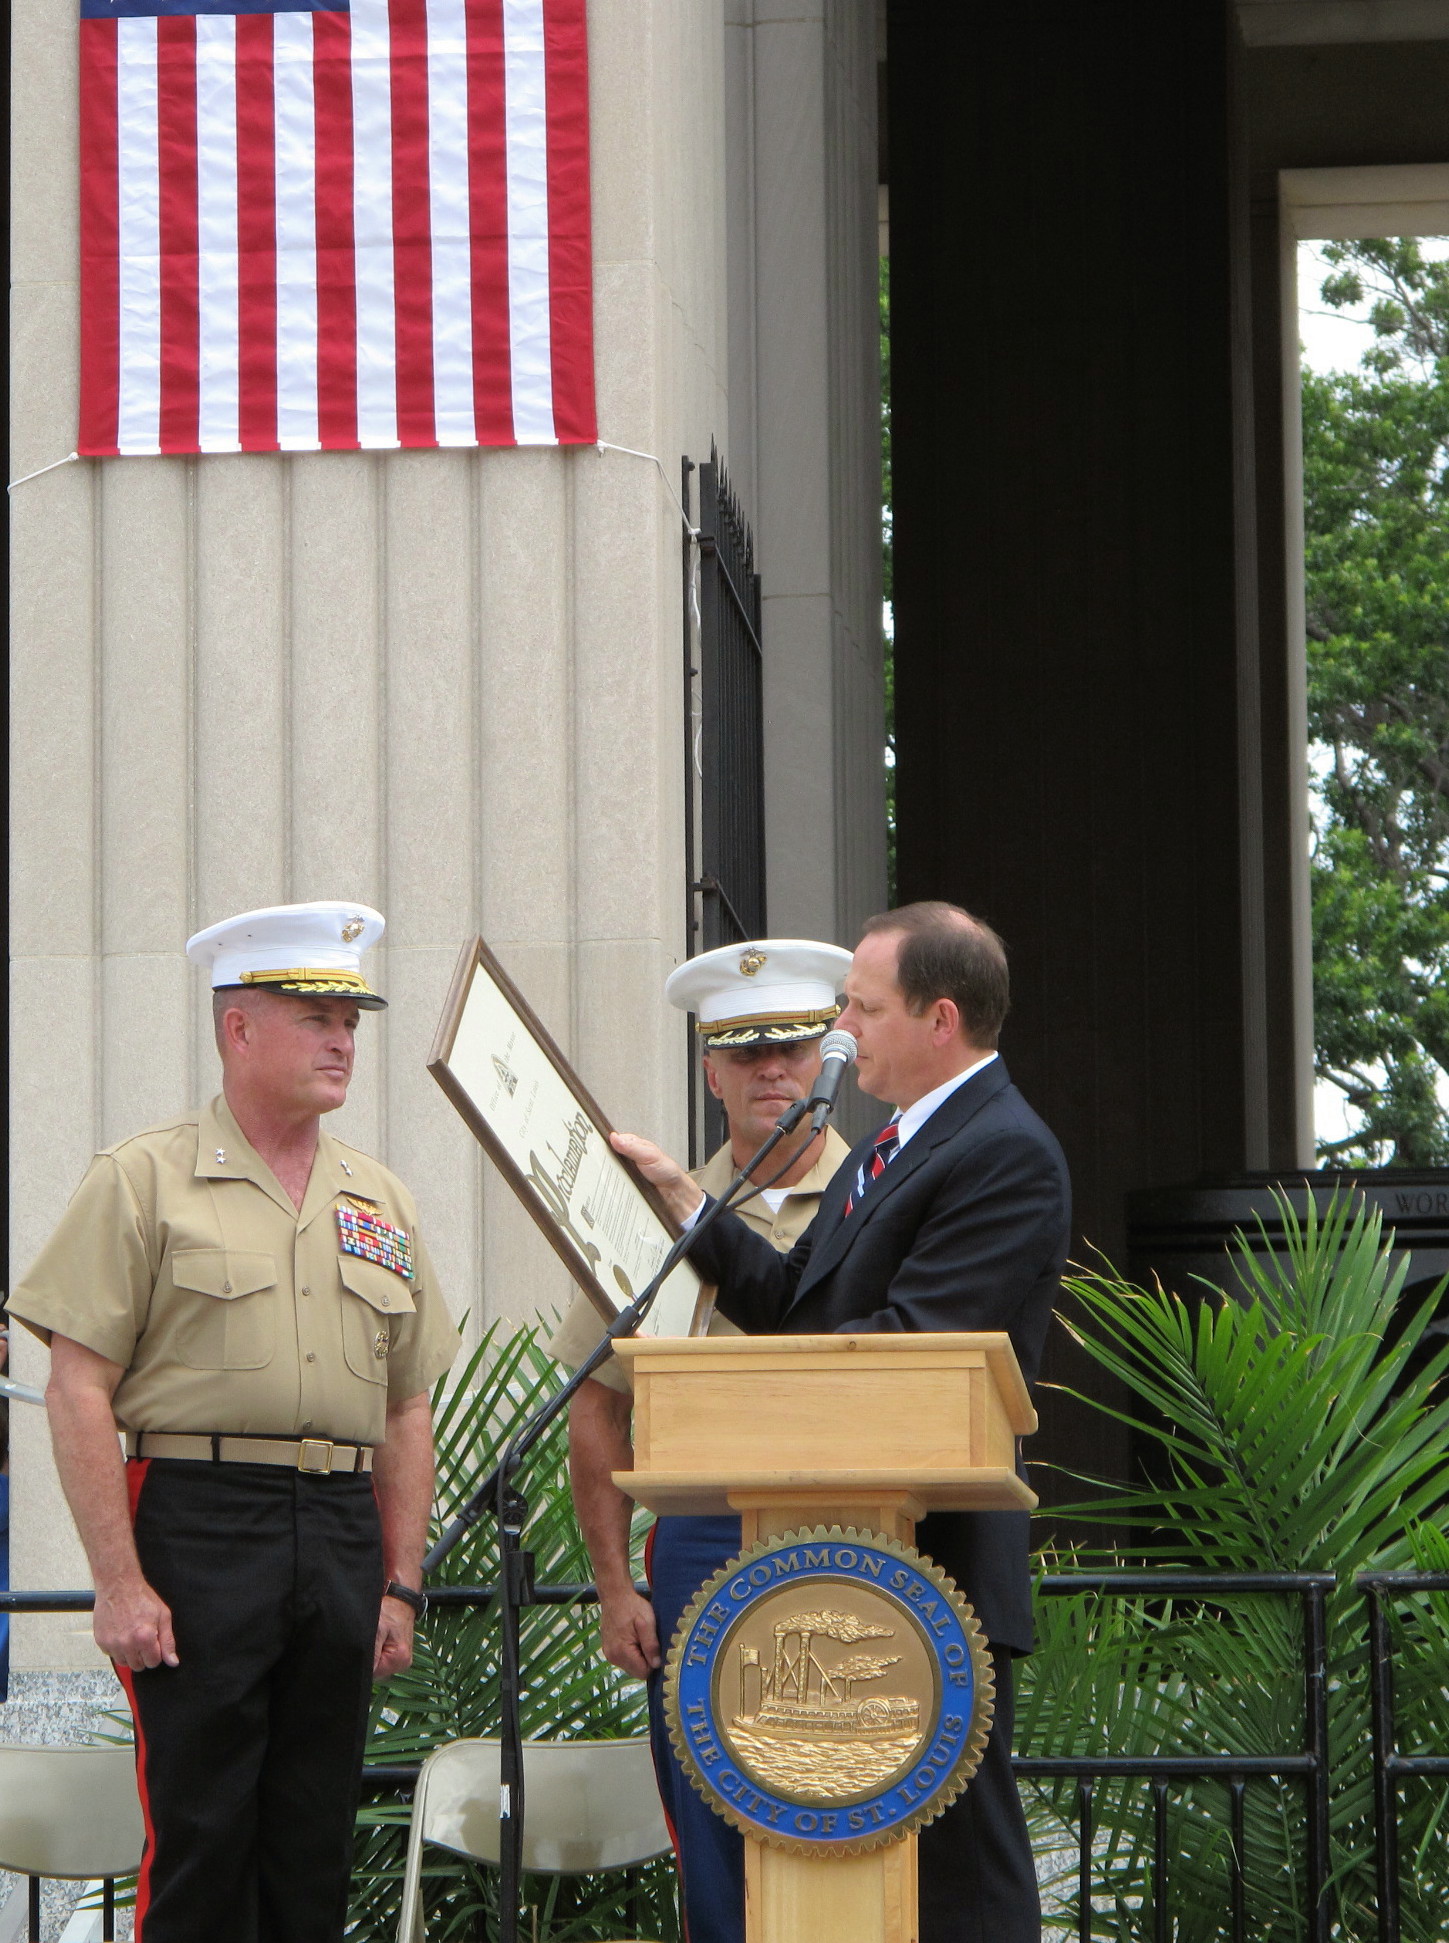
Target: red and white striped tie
point(887, 1143)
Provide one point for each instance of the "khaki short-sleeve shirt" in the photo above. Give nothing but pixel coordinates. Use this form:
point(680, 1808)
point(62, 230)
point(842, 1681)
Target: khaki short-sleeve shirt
point(582, 1325)
point(182, 1258)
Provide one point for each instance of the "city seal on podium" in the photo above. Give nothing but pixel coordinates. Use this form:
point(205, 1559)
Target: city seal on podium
point(828, 1691)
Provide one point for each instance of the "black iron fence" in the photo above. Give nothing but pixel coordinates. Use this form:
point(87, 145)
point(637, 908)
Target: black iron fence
point(1382, 1591)
point(731, 879)
point(1310, 1764)
point(724, 703)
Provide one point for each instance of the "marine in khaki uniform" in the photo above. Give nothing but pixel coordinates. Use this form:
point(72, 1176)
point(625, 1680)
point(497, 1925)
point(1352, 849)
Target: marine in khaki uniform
point(761, 1011)
point(249, 1302)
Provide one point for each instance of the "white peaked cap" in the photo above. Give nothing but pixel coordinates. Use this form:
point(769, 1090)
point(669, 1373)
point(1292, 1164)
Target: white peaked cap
point(767, 992)
point(309, 949)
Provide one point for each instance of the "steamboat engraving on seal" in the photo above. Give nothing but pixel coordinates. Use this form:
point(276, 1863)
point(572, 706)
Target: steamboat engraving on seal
point(829, 1691)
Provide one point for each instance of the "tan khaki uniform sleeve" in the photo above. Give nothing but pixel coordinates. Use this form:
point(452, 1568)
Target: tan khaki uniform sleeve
point(425, 1344)
point(576, 1335)
point(93, 1279)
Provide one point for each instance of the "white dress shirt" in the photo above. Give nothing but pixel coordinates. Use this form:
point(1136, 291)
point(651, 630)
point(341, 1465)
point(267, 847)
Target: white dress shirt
point(915, 1117)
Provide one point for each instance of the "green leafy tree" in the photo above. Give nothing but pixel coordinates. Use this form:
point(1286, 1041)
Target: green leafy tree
point(1376, 493)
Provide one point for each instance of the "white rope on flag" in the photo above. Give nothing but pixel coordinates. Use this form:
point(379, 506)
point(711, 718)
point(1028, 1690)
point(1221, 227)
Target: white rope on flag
point(26, 477)
point(601, 446)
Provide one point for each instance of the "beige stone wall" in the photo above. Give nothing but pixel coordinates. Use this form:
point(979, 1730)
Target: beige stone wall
point(448, 684)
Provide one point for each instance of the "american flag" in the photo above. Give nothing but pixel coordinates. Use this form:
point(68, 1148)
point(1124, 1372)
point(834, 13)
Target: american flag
point(334, 225)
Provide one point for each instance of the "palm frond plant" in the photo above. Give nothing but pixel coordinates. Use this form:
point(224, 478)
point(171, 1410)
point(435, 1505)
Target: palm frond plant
point(1299, 1427)
point(452, 1689)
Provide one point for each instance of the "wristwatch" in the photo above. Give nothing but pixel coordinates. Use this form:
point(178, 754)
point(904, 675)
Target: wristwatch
point(409, 1595)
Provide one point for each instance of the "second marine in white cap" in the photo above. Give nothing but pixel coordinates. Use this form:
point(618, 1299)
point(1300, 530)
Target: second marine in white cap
point(771, 992)
point(762, 1008)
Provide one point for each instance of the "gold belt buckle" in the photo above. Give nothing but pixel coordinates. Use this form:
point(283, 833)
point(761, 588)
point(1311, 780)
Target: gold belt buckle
point(306, 1461)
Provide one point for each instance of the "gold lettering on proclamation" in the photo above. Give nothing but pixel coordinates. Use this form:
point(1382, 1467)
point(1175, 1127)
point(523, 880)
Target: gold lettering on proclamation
point(558, 1205)
point(572, 1158)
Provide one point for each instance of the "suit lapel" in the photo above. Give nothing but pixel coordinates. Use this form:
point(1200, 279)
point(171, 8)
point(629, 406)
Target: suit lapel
point(950, 1117)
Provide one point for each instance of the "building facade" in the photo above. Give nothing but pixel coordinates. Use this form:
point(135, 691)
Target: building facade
point(457, 684)
point(448, 683)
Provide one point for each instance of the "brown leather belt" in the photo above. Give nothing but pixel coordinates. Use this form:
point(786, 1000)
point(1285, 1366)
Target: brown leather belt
point(317, 1456)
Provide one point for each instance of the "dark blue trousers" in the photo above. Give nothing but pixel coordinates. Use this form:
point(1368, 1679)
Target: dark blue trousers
point(683, 1553)
point(977, 1877)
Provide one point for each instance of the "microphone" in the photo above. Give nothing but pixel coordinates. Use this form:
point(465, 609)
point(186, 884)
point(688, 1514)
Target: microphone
point(837, 1052)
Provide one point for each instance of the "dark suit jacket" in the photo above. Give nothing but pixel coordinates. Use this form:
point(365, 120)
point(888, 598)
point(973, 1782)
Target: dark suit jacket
point(966, 1229)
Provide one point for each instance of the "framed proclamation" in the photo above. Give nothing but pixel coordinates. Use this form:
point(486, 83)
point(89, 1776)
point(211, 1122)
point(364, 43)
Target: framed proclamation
point(496, 1062)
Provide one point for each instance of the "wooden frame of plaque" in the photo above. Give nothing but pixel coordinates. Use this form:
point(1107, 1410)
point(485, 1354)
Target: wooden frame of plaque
point(499, 1065)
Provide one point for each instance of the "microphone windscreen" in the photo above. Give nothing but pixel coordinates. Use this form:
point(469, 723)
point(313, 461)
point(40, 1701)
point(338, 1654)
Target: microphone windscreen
point(839, 1045)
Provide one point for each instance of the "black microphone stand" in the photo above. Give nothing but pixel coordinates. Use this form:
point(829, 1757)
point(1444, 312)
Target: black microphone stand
point(515, 1566)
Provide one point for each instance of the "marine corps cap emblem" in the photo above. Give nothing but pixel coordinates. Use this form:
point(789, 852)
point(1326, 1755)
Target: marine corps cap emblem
point(353, 928)
point(751, 963)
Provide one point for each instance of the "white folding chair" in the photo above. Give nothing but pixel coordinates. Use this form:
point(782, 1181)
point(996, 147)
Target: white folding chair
point(589, 1805)
point(72, 1813)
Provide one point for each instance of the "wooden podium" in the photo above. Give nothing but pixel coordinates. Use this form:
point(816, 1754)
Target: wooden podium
point(870, 1431)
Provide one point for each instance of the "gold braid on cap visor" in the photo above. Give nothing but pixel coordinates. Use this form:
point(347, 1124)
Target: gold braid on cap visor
point(767, 1028)
point(303, 978)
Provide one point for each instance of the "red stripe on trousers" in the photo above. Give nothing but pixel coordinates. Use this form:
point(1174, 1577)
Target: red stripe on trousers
point(663, 1806)
point(136, 1471)
point(180, 299)
point(570, 257)
point(488, 224)
point(336, 260)
point(256, 154)
point(100, 240)
point(412, 238)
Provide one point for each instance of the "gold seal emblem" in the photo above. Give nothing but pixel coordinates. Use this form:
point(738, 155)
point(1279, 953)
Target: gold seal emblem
point(829, 1690)
point(751, 963)
point(353, 928)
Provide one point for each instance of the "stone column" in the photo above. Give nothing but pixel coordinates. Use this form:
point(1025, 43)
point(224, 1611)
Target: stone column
point(804, 386)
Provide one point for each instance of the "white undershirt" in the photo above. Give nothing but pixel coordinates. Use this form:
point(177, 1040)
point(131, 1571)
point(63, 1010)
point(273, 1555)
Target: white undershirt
point(775, 1198)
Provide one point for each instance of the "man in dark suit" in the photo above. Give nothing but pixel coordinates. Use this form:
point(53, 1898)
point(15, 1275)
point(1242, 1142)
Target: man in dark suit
point(954, 1215)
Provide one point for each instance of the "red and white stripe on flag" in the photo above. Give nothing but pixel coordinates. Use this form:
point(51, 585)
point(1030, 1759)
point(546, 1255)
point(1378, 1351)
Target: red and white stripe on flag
point(334, 226)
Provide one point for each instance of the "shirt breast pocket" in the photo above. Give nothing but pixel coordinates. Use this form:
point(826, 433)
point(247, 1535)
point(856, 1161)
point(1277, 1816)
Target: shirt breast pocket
point(374, 1299)
point(229, 1321)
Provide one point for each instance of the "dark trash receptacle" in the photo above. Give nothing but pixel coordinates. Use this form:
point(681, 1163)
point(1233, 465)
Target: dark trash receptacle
point(1179, 1233)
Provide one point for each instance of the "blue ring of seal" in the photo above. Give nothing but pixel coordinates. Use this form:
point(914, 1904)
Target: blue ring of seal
point(906, 1802)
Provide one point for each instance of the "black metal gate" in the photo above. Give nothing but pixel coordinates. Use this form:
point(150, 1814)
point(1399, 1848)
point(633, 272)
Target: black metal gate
point(1319, 1770)
point(724, 737)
